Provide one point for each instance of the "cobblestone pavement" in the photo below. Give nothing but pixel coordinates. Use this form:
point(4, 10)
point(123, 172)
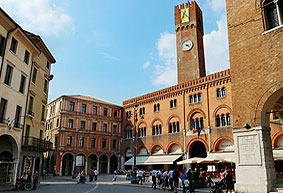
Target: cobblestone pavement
point(103, 185)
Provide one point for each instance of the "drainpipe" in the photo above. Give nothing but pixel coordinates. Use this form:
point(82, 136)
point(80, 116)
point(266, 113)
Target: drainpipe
point(3, 58)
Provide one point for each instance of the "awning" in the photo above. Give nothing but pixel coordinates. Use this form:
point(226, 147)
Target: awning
point(229, 157)
point(190, 160)
point(153, 159)
point(278, 154)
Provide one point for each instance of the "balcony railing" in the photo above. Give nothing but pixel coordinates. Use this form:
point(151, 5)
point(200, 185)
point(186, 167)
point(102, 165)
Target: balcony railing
point(36, 144)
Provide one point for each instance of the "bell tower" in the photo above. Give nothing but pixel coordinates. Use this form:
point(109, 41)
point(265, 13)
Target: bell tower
point(189, 37)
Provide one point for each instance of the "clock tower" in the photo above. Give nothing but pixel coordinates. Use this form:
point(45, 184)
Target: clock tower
point(189, 37)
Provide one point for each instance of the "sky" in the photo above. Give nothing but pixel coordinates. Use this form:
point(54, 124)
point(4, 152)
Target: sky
point(116, 50)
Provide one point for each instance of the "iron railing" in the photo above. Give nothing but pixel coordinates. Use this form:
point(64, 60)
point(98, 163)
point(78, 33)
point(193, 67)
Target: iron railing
point(36, 144)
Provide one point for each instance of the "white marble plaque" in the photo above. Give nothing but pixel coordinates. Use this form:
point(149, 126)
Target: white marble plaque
point(249, 150)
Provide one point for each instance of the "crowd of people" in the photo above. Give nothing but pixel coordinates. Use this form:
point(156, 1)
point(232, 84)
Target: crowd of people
point(189, 179)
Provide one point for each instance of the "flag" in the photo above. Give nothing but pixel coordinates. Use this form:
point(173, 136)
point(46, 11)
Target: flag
point(198, 127)
point(185, 15)
point(192, 125)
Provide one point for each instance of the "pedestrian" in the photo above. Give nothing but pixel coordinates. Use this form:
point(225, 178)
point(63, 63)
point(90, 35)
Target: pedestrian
point(114, 176)
point(91, 174)
point(186, 185)
point(160, 177)
point(82, 177)
point(190, 175)
point(95, 174)
point(78, 177)
point(146, 176)
point(35, 180)
point(184, 177)
point(140, 175)
point(165, 183)
point(44, 173)
point(153, 174)
point(170, 175)
point(196, 178)
point(176, 176)
point(229, 182)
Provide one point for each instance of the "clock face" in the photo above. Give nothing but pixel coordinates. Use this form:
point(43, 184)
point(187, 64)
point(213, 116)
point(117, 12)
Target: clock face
point(187, 45)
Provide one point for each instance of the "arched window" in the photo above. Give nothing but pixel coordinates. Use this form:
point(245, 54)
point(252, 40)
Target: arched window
point(174, 127)
point(228, 119)
point(191, 100)
point(218, 121)
point(199, 97)
point(218, 93)
point(273, 14)
point(157, 130)
point(223, 120)
point(173, 103)
point(223, 91)
point(142, 132)
point(196, 98)
point(154, 108)
point(170, 128)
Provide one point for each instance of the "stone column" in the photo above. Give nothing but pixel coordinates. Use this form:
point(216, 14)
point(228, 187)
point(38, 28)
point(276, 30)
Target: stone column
point(15, 169)
point(86, 165)
point(255, 171)
point(73, 165)
point(122, 163)
point(108, 165)
point(97, 165)
point(61, 163)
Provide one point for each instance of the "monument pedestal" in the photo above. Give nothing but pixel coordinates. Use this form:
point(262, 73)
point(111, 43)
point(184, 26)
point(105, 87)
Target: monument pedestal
point(255, 171)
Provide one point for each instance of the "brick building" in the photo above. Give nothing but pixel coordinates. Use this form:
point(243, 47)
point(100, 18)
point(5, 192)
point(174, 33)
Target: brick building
point(86, 135)
point(220, 105)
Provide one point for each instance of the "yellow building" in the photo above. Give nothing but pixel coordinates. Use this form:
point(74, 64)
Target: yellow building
point(33, 135)
point(17, 52)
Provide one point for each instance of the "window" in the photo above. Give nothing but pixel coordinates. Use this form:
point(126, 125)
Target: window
point(196, 98)
point(27, 134)
point(105, 127)
point(128, 134)
point(56, 141)
point(93, 142)
point(115, 128)
point(2, 45)
point(223, 92)
point(82, 124)
point(22, 84)
point(81, 142)
point(94, 126)
point(57, 122)
point(156, 107)
point(115, 113)
point(40, 134)
point(8, 75)
point(105, 112)
point(47, 65)
point(223, 120)
point(157, 130)
point(199, 97)
point(142, 132)
point(72, 106)
point(273, 14)
point(196, 124)
point(34, 75)
point(42, 113)
point(83, 108)
point(174, 127)
point(104, 143)
point(114, 144)
point(26, 58)
point(142, 111)
point(173, 103)
point(30, 107)
point(45, 86)
point(70, 123)
point(95, 110)
point(17, 116)
point(14, 45)
point(69, 141)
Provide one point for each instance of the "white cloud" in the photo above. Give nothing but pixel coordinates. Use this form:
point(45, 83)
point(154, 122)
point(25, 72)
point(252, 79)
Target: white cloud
point(145, 65)
point(216, 48)
point(38, 16)
point(110, 57)
point(217, 5)
point(166, 74)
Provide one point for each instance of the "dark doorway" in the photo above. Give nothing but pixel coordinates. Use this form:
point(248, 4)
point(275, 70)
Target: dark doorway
point(92, 162)
point(67, 165)
point(198, 150)
point(113, 163)
point(103, 160)
point(37, 162)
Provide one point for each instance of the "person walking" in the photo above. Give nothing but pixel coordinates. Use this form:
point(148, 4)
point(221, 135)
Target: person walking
point(91, 174)
point(196, 178)
point(153, 174)
point(183, 178)
point(229, 182)
point(176, 176)
point(165, 183)
point(140, 174)
point(82, 177)
point(170, 175)
point(186, 185)
point(146, 176)
point(95, 174)
point(35, 180)
point(160, 178)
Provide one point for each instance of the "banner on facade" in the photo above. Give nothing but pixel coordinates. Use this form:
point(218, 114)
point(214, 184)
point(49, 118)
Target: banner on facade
point(185, 15)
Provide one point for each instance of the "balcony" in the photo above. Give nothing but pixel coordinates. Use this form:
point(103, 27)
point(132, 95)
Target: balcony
point(35, 144)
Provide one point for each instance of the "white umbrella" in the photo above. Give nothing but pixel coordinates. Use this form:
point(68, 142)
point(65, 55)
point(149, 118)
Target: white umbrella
point(190, 160)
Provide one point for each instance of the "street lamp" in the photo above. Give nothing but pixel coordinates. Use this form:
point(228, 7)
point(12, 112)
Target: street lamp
point(135, 136)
